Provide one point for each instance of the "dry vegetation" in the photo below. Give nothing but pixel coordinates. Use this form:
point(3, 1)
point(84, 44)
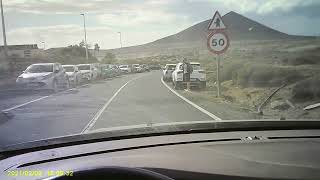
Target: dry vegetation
point(251, 70)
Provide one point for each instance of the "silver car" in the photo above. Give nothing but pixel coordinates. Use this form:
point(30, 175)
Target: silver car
point(74, 74)
point(44, 76)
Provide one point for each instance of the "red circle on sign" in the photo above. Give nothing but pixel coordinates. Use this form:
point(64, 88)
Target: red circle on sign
point(209, 39)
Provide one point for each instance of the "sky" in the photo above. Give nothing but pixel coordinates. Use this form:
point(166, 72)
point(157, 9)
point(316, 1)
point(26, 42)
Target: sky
point(57, 23)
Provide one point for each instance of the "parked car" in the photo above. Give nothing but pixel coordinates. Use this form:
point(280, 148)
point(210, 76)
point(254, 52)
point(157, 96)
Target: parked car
point(154, 67)
point(167, 72)
point(74, 75)
point(135, 68)
point(146, 67)
point(197, 77)
point(107, 71)
point(125, 68)
point(44, 76)
point(87, 71)
point(143, 68)
point(116, 70)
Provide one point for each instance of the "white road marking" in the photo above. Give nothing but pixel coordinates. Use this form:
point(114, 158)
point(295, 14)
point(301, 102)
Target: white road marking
point(18, 106)
point(191, 103)
point(104, 107)
point(38, 99)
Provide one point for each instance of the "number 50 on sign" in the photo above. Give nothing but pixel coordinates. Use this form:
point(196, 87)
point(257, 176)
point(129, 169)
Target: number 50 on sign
point(218, 42)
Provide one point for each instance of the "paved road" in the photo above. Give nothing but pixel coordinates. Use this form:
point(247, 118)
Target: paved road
point(127, 100)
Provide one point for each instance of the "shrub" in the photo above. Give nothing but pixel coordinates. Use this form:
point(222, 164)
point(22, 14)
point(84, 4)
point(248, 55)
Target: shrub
point(302, 60)
point(263, 75)
point(307, 89)
point(229, 71)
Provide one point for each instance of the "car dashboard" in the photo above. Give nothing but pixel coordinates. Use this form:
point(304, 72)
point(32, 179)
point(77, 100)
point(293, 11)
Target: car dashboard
point(273, 154)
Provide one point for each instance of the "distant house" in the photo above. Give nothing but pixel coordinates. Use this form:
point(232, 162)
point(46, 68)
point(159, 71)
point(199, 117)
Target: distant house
point(22, 51)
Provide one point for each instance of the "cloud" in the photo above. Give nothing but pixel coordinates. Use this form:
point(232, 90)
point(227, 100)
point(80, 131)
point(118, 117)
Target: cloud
point(141, 18)
point(60, 6)
point(265, 7)
point(60, 35)
point(141, 21)
point(64, 35)
point(118, 6)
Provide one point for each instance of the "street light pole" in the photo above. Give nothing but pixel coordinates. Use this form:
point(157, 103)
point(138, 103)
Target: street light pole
point(120, 39)
point(4, 31)
point(85, 35)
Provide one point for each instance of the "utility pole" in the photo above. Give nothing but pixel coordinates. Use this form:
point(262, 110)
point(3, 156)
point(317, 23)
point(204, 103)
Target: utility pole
point(4, 32)
point(120, 39)
point(44, 45)
point(85, 36)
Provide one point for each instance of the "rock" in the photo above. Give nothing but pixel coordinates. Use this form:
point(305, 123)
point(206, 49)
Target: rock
point(279, 105)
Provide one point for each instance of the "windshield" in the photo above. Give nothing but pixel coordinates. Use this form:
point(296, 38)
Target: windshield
point(196, 66)
point(171, 67)
point(40, 68)
point(69, 68)
point(84, 67)
point(254, 60)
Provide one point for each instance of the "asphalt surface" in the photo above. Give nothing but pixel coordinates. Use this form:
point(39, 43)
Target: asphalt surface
point(123, 101)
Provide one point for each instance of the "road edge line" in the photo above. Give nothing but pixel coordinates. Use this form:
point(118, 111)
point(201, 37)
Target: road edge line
point(216, 118)
point(104, 107)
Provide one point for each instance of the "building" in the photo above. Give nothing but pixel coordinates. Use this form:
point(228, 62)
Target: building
point(22, 51)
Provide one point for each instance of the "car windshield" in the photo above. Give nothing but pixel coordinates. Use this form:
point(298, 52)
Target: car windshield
point(40, 68)
point(182, 61)
point(84, 67)
point(69, 68)
point(171, 67)
point(195, 66)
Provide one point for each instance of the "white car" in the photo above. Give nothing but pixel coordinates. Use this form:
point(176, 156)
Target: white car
point(136, 68)
point(87, 71)
point(44, 76)
point(167, 72)
point(197, 77)
point(125, 68)
point(75, 76)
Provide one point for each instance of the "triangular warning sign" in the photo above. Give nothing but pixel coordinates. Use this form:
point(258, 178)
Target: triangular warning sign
point(216, 22)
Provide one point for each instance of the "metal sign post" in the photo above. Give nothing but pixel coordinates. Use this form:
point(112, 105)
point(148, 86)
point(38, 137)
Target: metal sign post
point(217, 42)
point(218, 75)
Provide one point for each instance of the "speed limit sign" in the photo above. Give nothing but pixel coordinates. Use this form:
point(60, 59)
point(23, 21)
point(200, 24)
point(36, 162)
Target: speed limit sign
point(218, 42)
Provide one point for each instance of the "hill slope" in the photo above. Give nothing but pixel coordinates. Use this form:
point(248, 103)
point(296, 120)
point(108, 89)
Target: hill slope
point(239, 28)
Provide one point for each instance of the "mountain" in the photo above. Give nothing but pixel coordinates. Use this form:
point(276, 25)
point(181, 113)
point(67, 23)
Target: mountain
point(239, 28)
